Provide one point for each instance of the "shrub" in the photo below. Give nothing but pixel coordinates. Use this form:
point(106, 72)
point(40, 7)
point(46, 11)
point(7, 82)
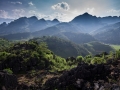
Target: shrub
point(8, 70)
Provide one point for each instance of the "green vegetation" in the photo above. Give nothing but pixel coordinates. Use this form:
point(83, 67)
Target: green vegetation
point(8, 70)
point(34, 64)
point(27, 56)
point(4, 44)
point(118, 54)
point(97, 47)
point(61, 47)
point(116, 47)
point(32, 55)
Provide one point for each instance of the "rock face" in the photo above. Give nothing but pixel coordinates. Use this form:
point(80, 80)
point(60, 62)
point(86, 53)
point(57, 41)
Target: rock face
point(85, 77)
point(7, 81)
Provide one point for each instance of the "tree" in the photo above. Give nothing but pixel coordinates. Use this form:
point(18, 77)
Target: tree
point(79, 58)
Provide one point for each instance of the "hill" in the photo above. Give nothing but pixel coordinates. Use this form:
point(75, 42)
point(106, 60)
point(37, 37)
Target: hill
point(18, 36)
point(97, 47)
point(109, 34)
point(78, 38)
point(61, 30)
point(62, 47)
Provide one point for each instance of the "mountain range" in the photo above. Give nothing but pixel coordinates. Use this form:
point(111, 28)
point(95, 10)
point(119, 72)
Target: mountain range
point(81, 29)
point(109, 34)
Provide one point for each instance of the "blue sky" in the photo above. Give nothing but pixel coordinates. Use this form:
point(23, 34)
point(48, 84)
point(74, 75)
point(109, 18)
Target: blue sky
point(64, 10)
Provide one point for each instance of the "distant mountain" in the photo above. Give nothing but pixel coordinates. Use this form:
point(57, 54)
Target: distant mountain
point(78, 38)
point(57, 29)
point(16, 26)
point(53, 22)
point(32, 20)
point(18, 36)
point(109, 34)
point(106, 28)
point(46, 32)
point(61, 47)
point(89, 23)
point(68, 27)
point(4, 24)
point(39, 25)
point(25, 24)
point(96, 47)
point(110, 19)
point(73, 30)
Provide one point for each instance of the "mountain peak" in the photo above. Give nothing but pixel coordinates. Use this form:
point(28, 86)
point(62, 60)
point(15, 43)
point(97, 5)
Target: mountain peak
point(33, 17)
point(42, 19)
point(86, 13)
point(55, 20)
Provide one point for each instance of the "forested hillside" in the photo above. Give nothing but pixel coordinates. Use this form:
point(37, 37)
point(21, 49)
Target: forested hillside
point(61, 47)
point(97, 47)
point(31, 65)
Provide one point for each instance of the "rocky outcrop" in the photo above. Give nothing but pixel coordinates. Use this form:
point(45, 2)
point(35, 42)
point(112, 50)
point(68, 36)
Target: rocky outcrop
point(87, 77)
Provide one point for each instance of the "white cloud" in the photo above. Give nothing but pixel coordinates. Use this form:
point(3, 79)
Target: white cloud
point(16, 2)
point(57, 15)
point(63, 6)
point(3, 14)
point(31, 4)
point(32, 12)
point(113, 11)
point(18, 13)
point(90, 10)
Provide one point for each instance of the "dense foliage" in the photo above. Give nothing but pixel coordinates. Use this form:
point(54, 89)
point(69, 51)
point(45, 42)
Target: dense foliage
point(4, 44)
point(26, 56)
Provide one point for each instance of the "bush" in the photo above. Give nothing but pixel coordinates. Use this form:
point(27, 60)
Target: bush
point(80, 58)
point(98, 60)
point(8, 70)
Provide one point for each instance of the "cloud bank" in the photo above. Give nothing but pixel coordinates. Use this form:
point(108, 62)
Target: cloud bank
point(3, 14)
point(63, 6)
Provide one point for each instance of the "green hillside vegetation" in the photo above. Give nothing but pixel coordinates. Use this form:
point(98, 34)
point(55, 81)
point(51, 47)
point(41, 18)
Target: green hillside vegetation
point(97, 47)
point(116, 47)
point(27, 56)
point(79, 38)
point(4, 44)
point(61, 47)
point(34, 63)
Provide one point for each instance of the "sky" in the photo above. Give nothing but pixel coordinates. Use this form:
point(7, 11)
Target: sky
point(63, 10)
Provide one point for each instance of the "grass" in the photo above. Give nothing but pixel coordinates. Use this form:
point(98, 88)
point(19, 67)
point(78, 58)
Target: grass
point(116, 47)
